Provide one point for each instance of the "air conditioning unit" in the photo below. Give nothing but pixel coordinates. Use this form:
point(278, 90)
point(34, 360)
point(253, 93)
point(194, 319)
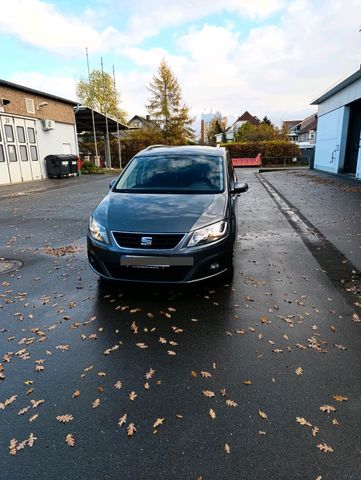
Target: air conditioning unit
point(48, 124)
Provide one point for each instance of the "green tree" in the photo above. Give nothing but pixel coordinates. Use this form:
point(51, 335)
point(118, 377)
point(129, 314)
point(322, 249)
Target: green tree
point(214, 127)
point(167, 107)
point(99, 93)
point(266, 121)
point(254, 133)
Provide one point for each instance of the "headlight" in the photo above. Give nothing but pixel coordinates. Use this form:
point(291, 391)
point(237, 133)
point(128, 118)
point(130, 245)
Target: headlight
point(97, 231)
point(209, 234)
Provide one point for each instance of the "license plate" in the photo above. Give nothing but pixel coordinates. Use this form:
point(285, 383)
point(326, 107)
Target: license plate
point(143, 261)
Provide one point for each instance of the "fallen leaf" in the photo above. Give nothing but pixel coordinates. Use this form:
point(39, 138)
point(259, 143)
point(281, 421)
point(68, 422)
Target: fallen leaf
point(76, 394)
point(150, 374)
point(131, 429)
point(303, 421)
point(122, 420)
point(133, 395)
point(118, 385)
point(171, 352)
point(34, 417)
point(340, 398)
point(208, 393)
point(325, 448)
point(96, 403)
point(141, 345)
point(194, 373)
point(65, 418)
point(70, 440)
point(206, 374)
point(231, 403)
point(31, 440)
point(299, 371)
point(212, 413)
point(315, 431)
point(262, 414)
point(327, 408)
point(247, 382)
point(12, 446)
point(227, 448)
point(158, 422)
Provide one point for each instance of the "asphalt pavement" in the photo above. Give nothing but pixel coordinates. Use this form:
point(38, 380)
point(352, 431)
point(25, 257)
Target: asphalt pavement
point(254, 380)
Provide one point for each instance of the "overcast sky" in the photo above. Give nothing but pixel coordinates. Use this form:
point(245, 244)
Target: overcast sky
point(270, 57)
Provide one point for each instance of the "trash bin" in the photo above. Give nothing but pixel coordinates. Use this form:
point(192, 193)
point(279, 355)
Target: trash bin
point(57, 166)
point(73, 164)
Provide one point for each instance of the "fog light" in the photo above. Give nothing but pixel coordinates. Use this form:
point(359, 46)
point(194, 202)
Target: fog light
point(214, 266)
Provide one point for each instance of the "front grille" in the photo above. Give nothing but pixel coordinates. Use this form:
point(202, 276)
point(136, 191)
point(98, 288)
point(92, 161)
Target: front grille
point(168, 274)
point(158, 241)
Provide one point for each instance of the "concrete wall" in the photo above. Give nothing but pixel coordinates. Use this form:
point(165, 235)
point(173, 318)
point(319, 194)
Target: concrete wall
point(331, 139)
point(62, 139)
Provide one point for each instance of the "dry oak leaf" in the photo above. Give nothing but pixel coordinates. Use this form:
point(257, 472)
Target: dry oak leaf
point(208, 393)
point(118, 385)
point(227, 448)
point(133, 395)
point(262, 415)
point(303, 421)
point(247, 382)
point(327, 408)
point(12, 446)
point(212, 413)
point(162, 340)
point(325, 448)
point(34, 417)
point(299, 371)
point(96, 403)
point(65, 418)
point(158, 422)
point(231, 403)
point(63, 348)
point(70, 440)
point(150, 374)
point(340, 398)
point(122, 420)
point(31, 440)
point(206, 374)
point(171, 352)
point(194, 373)
point(315, 431)
point(141, 345)
point(131, 429)
point(76, 394)
point(8, 401)
point(36, 403)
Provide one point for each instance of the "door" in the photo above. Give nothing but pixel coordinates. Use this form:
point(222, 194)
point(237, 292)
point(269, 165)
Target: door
point(354, 140)
point(4, 168)
point(10, 149)
point(23, 151)
point(33, 149)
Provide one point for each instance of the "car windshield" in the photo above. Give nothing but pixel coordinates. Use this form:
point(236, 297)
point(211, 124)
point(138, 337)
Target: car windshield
point(173, 174)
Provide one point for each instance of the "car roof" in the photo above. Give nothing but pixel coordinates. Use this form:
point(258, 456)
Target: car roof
point(182, 150)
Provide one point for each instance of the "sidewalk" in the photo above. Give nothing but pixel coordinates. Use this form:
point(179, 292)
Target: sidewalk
point(332, 203)
point(38, 186)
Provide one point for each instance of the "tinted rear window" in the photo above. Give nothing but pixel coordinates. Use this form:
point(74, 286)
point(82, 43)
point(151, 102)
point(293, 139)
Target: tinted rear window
point(173, 174)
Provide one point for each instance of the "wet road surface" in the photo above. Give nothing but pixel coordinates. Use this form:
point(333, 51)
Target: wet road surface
point(255, 380)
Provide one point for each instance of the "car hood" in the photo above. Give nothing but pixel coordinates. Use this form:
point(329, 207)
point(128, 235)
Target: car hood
point(157, 213)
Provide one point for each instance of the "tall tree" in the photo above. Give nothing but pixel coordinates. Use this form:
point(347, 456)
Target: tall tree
point(214, 127)
point(99, 93)
point(167, 107)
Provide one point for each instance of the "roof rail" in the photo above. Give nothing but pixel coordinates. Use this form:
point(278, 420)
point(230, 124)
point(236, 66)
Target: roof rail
point(151, 147)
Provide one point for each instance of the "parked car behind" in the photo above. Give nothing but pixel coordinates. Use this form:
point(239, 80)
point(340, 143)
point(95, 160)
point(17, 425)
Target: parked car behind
point(170, 217)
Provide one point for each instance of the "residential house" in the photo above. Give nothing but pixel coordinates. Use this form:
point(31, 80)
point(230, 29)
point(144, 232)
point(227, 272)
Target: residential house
point(246, 117)
point(141, 122)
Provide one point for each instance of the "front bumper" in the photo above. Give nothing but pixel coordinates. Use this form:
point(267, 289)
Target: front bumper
point(209, 261)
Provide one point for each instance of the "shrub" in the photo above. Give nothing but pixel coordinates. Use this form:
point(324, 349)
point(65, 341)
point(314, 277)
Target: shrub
point(89, 167)
point(268, 150)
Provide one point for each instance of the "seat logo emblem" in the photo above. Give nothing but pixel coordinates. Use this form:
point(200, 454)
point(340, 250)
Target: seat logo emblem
point(146, 241)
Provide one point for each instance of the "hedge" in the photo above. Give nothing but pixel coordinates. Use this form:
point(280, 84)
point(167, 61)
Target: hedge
point(267, 148)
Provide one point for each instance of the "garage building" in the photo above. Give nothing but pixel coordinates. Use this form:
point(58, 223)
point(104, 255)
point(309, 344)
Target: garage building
point(33, 124)
point(338, 143)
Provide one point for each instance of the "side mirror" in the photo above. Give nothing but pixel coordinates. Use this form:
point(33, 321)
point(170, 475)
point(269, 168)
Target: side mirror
point(111, 184)
point(240, 188)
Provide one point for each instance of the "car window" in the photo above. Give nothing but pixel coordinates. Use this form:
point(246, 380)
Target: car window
point(173, 174)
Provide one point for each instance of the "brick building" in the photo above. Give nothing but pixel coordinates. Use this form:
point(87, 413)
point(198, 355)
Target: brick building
point(33, 124)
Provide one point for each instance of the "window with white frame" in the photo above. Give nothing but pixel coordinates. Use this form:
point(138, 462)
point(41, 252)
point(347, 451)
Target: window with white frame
point(30, 107)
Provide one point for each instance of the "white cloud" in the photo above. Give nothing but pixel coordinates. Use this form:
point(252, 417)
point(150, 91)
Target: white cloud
point(39, 24)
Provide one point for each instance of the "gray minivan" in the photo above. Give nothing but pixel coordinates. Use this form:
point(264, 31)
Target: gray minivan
point(170, 217)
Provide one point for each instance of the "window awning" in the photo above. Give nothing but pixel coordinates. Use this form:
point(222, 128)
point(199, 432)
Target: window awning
point(84, 121)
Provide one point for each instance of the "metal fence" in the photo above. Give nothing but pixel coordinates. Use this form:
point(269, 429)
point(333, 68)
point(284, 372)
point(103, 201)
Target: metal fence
point(287, 162)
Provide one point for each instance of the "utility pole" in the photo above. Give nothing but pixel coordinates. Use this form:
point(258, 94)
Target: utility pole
point(108, 159)
point(119, 146)
point(93, 120)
